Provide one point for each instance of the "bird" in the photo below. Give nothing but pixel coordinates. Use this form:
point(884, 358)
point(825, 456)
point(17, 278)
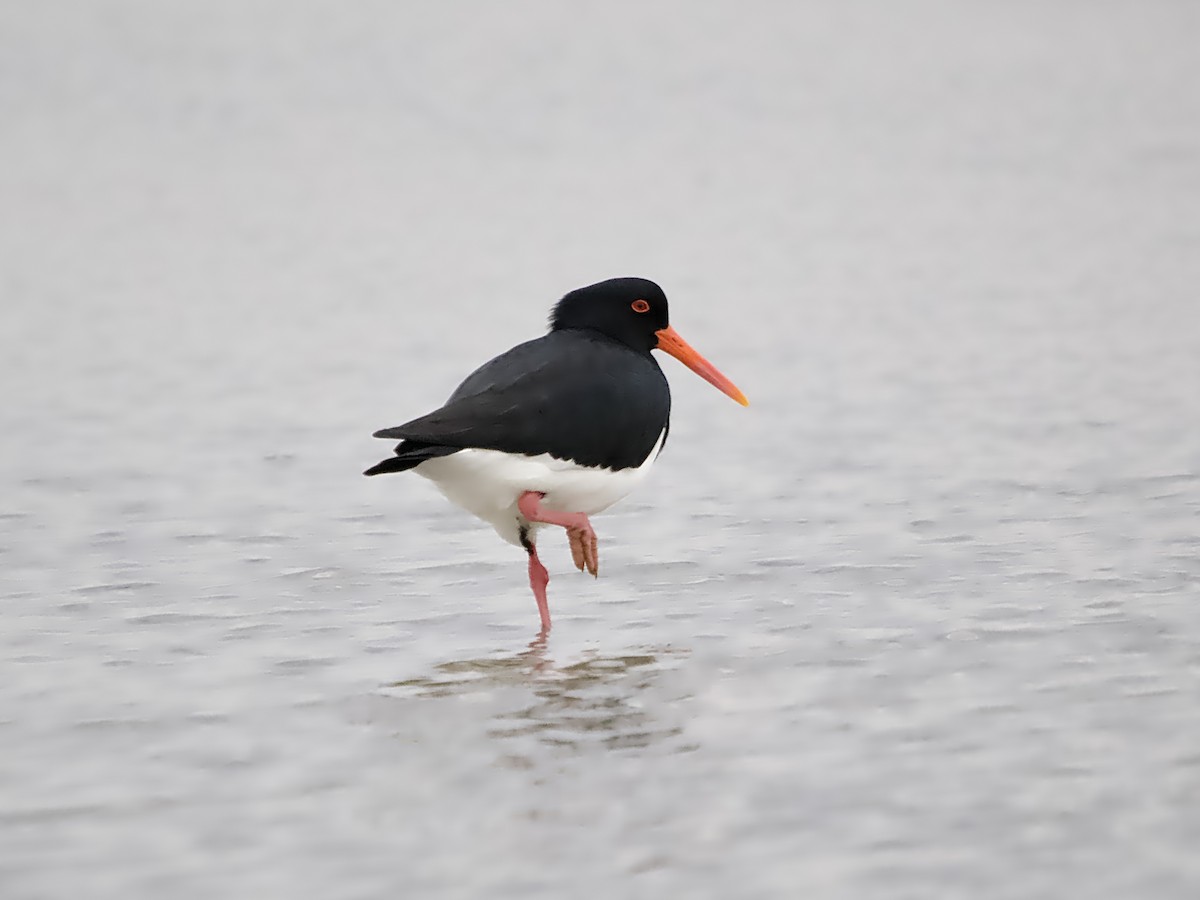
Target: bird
point(558, 428)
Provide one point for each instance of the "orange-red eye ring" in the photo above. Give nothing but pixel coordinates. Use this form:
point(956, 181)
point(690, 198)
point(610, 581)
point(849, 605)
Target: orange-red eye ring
point(640, 306)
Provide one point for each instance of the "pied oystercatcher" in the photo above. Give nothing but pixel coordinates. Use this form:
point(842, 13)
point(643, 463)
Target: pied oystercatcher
point(560, 427)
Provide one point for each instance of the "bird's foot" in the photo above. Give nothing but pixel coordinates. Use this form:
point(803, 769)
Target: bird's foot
point(585, 548)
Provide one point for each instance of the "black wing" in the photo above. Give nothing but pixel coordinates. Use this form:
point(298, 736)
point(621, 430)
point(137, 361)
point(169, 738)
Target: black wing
point(571, 394)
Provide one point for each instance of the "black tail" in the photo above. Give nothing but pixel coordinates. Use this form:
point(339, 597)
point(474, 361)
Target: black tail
point(409, 454)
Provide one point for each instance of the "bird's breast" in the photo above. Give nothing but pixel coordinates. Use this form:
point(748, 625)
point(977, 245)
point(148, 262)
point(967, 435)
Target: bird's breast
point(572, 487)
point(488, 483)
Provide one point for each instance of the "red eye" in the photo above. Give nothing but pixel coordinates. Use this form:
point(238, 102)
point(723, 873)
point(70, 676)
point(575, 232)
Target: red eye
point(640, 306)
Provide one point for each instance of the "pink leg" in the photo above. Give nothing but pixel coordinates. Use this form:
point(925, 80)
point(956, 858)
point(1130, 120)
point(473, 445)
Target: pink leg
point(584, 546)
point(538, 579)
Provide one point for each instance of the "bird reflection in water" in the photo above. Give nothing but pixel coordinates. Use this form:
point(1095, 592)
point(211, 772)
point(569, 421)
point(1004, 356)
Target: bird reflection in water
point(610, 702)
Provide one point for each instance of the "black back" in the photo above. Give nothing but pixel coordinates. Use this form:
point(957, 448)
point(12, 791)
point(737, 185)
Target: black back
point(574, 394)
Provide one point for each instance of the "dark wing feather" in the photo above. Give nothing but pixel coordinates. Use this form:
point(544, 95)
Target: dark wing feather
point(571, 394)
point(408, 455)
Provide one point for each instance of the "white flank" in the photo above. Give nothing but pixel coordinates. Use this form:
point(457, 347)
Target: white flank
point(488, 483)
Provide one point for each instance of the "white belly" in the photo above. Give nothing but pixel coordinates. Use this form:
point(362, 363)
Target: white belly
point(488, 483)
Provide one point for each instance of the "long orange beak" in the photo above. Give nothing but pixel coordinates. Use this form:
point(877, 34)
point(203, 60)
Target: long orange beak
point(670, 341)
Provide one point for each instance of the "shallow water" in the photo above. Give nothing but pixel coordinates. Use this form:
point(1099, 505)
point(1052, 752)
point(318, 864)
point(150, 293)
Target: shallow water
point(923, 621)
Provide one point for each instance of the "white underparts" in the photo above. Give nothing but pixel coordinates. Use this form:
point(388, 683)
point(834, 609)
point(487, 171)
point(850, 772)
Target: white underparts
point(488, 483)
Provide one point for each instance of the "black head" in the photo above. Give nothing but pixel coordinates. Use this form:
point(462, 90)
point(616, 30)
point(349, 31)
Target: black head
point(629, 310)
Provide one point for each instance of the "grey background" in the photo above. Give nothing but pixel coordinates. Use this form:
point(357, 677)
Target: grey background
point(922, 621)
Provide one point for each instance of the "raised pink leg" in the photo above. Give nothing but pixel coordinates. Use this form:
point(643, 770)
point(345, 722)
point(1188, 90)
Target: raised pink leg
point(584, 546)
point(538, 579)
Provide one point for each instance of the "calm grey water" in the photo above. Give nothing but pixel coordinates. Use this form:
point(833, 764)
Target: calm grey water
point(923, 621)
